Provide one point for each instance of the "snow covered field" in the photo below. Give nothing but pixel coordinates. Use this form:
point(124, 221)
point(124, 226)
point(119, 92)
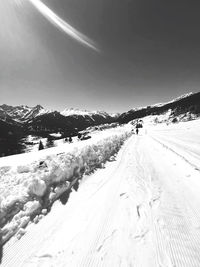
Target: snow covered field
point(140, 210)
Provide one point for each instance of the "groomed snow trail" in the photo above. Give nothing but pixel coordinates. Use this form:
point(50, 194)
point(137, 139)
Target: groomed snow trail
point(141, 210)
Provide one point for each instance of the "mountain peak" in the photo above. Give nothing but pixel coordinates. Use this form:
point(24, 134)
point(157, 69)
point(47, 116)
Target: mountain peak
point(38, 107)
point(74, 111)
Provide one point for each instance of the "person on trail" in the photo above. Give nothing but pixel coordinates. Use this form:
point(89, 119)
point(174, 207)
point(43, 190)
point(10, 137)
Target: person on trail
point(137, 131)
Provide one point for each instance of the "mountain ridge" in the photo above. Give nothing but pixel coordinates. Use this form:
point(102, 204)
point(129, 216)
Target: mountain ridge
point(179, 106)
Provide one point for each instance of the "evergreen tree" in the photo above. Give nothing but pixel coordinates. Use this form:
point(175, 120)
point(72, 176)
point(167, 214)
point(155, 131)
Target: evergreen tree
point(41, 145)
point(79, 135)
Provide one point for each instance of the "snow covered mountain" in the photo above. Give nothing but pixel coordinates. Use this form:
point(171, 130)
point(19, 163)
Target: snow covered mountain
point(14, 119)
point(182, 108)
point(20, 113)
point(69, 120)
point(5, 117)
point(77, 112)
point(8, 125)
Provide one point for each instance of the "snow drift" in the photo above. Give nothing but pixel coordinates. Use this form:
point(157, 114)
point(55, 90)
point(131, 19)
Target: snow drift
point(28, 191)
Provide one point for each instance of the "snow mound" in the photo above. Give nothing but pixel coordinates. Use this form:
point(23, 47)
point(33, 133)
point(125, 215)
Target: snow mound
point(37, 187)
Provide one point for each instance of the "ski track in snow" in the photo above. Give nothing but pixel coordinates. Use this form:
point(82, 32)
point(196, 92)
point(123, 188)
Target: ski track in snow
point(141, 210)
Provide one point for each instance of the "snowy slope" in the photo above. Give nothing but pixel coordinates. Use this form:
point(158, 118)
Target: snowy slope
point(141, 210)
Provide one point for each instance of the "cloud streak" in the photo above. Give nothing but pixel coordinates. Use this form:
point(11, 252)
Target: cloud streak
point(63, 25)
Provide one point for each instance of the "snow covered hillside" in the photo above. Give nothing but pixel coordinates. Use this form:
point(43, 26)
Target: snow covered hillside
point(140, 210)
point(182, 108)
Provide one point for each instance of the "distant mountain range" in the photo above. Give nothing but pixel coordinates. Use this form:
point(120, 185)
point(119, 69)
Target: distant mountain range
point(22, 119)
point(19, 113)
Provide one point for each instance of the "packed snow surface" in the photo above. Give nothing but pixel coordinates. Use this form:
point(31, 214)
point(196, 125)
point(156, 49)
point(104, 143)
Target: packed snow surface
point(142, 209)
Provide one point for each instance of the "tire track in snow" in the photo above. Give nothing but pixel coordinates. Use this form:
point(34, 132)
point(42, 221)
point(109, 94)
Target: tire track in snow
point(182, 240)
point(106, 230)
point(147, 169)
point(106, 221)
point(184, 157)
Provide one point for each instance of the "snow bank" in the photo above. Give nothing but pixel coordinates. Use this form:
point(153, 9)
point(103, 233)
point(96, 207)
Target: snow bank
point(29, 189)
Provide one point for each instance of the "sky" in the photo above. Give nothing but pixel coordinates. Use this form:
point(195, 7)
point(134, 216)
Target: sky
point(110, 55)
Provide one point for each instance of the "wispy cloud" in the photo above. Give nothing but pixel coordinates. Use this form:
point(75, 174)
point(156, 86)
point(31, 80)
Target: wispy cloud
point(63, 25)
